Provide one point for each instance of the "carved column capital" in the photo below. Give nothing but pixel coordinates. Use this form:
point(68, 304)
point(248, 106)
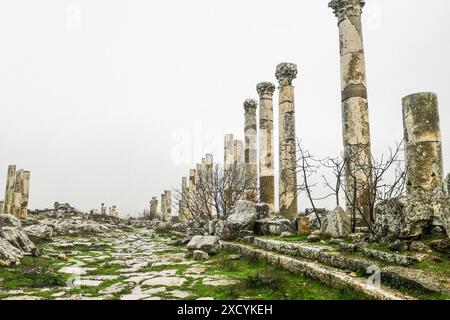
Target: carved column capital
point(285, 73)
point(250, 104)
point(345, 8)
point(265, 88)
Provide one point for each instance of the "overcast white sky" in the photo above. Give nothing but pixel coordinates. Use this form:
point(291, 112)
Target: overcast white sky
point(113, 100)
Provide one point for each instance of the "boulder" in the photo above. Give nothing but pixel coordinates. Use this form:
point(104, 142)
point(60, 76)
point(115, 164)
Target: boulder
point(313, 238)
point(208, 244)
point(38, 232)
point(312, 218)
point(242, 216)
point(200, 255)
point(441, 245)
point(8, 253)
point(8, 220)
point(18, 238)
point(336, 224)
point(303, 226)
point(240, 222)
point(411, 216)
point(273, 226)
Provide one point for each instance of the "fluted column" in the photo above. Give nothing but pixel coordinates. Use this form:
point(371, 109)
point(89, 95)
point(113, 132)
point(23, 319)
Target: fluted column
point(9, 193)
point(424, 166)
point(355, 114)
point(250, 133)
point(285, 74)
point(266, 165)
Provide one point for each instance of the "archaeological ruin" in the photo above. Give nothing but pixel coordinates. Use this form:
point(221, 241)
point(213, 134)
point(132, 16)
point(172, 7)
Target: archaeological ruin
point(251, 225)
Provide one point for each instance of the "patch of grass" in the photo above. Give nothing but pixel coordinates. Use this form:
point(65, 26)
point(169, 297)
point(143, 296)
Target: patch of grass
point(258, 280)
point(32, 273)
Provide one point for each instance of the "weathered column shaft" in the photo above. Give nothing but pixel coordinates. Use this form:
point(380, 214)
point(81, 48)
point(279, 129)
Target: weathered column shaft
point(22, 186)
point(168, 205)
point(209, 172)
point(266, 164)
point(238, 152)
point(250, 133)
point(154, 208)
point(184, 213)
point(355, 114)
point(9, 193)
point(163, 207)
point(17, 200)
point(286, 73)
point(423, 142)
point(228, 151)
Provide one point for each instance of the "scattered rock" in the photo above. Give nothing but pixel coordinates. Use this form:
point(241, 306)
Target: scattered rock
point(313, 238)
point(8, 253)
point(273, 226)
point(208, 244)
point(8, 220)
point(419, 247)
point(398, 246)
point(441, 245)
point(200, 255)
point(17, 237)
point(303, 226)
point(38, 232)
point(336, 224)
point(358, 237)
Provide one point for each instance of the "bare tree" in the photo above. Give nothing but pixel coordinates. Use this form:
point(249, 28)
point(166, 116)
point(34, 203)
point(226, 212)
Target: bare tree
point(216, 191)
point(385, 179)
point(307, 166)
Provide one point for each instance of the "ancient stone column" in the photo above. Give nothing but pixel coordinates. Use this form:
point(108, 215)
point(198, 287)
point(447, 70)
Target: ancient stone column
point(238, 152)
point(163, 207)
point(184, 213)
point(250, 133)
point(266, 165)
point(209, 172)
point(22, 187)
point(2, 207)
point(103, 209)
point(355, 114)
point(422, 142)
point(168, 205)
point(192, 179)
point(228, 151)
point(228, 163)
point(9, 193)
point(154, 208)
point(17, 200)
point(286, 73)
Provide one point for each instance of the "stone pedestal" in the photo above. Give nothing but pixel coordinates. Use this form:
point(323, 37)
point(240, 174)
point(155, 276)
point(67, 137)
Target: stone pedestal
point(250, 133)
point(266, 162)
point(422, 142)
point(355, 114)
point(286, 73)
